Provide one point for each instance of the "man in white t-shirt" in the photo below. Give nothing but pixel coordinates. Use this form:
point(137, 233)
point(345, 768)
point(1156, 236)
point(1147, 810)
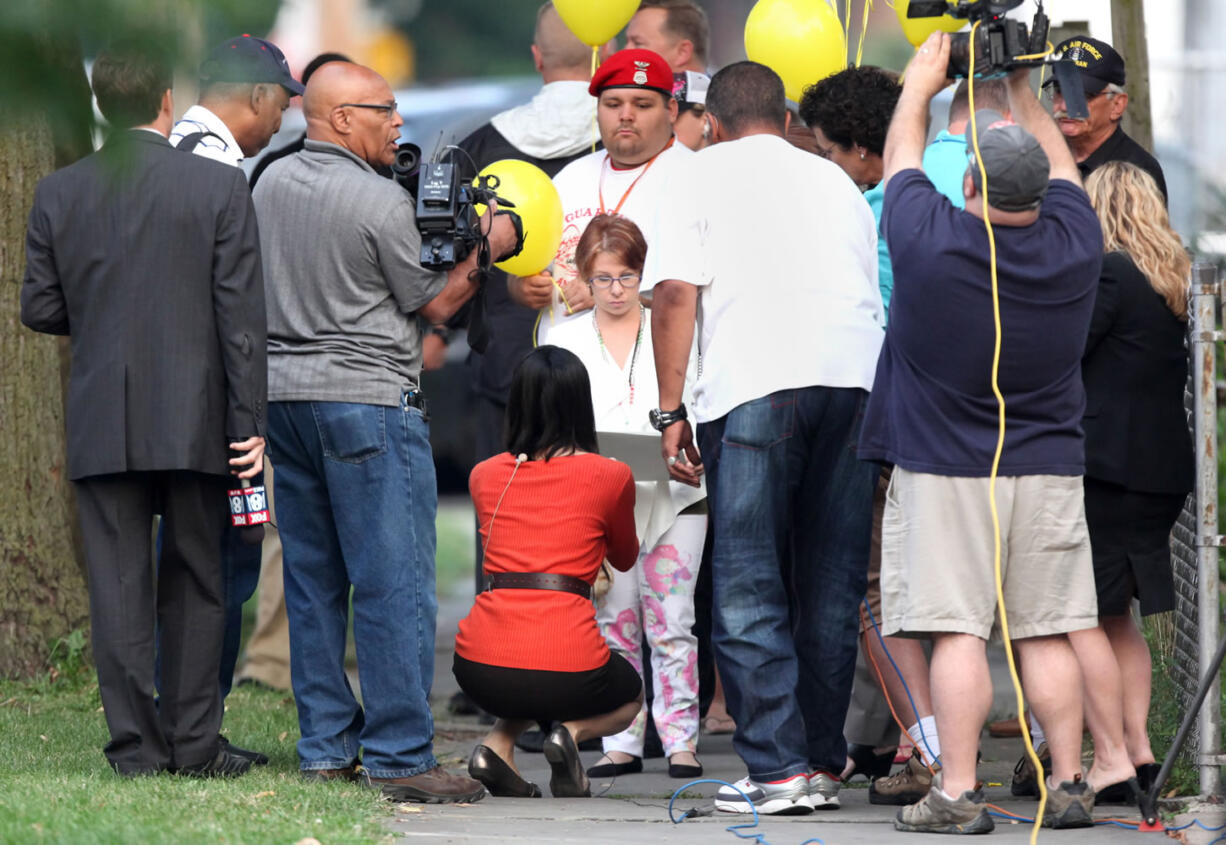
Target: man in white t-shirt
point(245, 86)
point(789, 339)
point(635, 112)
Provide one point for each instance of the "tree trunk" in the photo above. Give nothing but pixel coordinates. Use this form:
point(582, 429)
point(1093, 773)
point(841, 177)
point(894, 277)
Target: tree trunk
point(42, 592)
point(1128, 38)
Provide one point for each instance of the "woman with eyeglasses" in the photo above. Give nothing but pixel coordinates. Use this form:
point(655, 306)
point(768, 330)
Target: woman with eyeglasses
point(655, 598)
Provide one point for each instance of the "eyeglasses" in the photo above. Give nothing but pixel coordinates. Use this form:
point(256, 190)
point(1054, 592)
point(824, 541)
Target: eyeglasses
point(388, 110)
point(626, 280)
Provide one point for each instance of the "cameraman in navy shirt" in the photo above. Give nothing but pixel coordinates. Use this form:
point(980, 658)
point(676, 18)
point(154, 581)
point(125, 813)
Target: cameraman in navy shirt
point(933, 414)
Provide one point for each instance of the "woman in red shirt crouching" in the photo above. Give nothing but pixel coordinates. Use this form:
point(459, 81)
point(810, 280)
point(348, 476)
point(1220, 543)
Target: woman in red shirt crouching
point(550, 511)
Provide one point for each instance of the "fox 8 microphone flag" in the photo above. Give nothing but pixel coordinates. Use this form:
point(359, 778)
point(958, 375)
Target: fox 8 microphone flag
point(248, 506)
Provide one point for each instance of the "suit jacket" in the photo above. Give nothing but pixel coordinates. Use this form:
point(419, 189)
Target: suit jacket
point(149, 259)
point(1135, 368)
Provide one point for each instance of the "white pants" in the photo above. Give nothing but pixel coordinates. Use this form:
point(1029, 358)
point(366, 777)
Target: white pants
point(656, 597)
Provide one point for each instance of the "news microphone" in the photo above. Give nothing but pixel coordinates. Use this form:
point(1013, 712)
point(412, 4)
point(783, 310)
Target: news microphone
point(249, 512)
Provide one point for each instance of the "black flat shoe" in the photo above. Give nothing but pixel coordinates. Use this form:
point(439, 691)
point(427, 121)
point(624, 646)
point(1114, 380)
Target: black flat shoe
point(532, 741)
point(225, 765)
point(867, 762)
point(613, 770)
point(498, 777)
point(568, 779)
point(683, 771)
point(1124, 792)
point(254, 756)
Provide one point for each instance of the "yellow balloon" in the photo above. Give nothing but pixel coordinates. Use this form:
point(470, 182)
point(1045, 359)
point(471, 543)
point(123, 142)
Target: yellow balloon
point(539, 207)
point(801, 40)
point(596, 21)
point(917, 30)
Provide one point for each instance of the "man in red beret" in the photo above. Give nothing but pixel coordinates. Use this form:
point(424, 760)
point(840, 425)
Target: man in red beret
point(635, 112)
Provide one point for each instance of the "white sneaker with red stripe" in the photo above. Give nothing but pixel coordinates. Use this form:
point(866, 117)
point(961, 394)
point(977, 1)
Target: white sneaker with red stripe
point(787, 797)
point(824, 791)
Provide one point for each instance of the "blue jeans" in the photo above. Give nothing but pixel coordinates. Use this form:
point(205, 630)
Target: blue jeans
point(791, 506)
point(356, 500)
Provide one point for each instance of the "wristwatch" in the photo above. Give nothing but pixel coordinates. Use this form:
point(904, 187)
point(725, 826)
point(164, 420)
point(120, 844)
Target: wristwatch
point(661, 420)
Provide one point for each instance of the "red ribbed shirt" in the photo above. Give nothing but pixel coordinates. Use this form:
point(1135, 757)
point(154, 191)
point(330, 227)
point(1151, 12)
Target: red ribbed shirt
point(562, 516)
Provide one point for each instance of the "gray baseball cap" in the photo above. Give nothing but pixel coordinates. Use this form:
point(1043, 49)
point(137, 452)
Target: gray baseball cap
point(1018, 169)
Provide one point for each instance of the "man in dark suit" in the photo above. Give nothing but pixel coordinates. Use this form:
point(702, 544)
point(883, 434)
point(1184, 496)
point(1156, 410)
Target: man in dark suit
point(149, 260)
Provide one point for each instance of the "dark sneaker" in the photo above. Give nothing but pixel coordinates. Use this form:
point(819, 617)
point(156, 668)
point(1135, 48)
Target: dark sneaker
point(225, 765)
point(1071, 804)
point(436, 786)
point(908, 785)
point(788, 797)
point(1025, 783)
point(935, 813)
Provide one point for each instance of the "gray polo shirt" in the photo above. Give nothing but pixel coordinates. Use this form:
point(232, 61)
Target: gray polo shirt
point(342, 280)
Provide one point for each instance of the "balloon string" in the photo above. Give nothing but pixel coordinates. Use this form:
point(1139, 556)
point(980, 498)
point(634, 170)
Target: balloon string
point(847, 25)
point(595, 129)
point(868, 7)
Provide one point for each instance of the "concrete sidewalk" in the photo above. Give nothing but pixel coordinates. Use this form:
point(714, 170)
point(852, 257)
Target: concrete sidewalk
point(634, 808)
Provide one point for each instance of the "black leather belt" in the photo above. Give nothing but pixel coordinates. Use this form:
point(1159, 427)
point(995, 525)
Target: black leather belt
point(537, 581)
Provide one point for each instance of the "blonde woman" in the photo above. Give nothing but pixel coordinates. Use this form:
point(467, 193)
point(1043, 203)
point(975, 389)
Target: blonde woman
point(1139, 465)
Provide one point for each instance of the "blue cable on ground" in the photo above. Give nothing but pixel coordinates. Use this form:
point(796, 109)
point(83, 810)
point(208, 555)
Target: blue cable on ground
point(734, 829)
point(907, 689)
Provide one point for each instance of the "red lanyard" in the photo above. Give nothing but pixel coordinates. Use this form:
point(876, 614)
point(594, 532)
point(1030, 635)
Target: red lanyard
point(646, 167)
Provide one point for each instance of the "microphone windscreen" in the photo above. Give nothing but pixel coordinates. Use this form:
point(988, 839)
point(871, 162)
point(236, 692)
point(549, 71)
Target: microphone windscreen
point(520, 458)
point(252, 535)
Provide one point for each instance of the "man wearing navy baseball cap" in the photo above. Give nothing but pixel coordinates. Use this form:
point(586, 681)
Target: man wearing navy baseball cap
point(1098, 138)
point(245, 86)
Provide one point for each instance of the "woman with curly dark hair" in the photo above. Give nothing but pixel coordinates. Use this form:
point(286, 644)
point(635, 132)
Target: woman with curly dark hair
point(849, 113)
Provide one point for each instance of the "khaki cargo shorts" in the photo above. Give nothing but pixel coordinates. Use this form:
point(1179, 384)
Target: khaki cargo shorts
point(937, 571)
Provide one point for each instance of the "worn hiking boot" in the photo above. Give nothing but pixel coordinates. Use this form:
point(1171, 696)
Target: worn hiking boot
point(908, 785)
point(1071, 804)
point(1024, 781)
point(936, 813)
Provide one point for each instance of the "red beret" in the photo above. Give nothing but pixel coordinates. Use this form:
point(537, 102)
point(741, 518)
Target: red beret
point(633, 69)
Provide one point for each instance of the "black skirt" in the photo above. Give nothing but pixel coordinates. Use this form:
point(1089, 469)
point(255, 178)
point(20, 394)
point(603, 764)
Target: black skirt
point(544, 696)
point(1130, 537)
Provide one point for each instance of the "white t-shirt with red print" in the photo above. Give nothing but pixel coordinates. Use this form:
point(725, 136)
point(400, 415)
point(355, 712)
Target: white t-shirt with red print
point(581, 185)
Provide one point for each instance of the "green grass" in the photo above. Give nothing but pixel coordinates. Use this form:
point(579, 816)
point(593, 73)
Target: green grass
point(55, 785)
point(456, 529)
point(1166, 710)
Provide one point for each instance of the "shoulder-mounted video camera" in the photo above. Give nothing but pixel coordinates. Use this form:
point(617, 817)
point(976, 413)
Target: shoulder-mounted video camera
point(446, 211)
point(1001, 43)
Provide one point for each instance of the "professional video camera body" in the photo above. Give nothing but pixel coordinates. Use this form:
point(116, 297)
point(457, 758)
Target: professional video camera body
point(447, 211)
point(1001, 44)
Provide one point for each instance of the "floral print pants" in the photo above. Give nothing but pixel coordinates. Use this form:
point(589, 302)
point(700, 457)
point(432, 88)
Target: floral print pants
point(656, 597)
